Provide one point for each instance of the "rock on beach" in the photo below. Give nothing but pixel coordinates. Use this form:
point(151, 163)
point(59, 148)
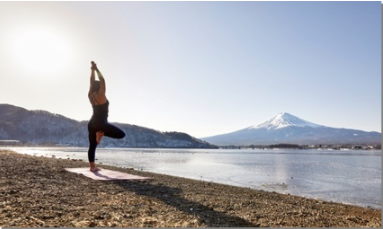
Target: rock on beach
point(38, 192)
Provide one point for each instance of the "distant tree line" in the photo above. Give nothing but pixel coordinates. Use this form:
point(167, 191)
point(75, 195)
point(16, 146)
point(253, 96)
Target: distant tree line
point(281, 145)
point(296, 146)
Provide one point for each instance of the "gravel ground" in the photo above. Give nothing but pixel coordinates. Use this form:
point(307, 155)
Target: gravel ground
point(38, 192)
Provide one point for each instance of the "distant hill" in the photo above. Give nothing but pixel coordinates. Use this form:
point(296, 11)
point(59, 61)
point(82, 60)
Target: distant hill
point(286, 128)
point(42, 127)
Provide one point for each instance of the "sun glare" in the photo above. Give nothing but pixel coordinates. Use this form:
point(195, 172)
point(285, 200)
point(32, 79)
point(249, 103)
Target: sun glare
point(40, 51)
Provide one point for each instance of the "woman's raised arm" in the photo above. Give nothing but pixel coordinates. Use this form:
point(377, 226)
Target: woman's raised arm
point(92, 77)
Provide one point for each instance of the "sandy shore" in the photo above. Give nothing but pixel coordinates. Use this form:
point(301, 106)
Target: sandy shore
point(37, 192)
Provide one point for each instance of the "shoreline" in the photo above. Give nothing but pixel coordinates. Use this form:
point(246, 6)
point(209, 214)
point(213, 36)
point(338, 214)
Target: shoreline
point(37, 191)
point(71, 153)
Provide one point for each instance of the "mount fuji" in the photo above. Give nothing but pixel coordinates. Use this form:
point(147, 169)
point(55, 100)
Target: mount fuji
point(287, 128)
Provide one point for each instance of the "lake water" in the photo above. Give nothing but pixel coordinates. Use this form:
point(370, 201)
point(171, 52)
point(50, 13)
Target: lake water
point(351, 177)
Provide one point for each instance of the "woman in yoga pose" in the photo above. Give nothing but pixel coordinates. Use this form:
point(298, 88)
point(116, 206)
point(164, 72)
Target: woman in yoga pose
point(98, 125)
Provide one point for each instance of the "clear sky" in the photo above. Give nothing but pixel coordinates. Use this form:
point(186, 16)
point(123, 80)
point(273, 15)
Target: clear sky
point(204, 68)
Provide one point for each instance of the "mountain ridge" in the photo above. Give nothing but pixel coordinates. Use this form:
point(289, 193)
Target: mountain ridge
point(43, 127)
point(287, 128)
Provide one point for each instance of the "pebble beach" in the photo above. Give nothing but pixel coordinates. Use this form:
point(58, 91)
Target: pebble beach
point(39, 192)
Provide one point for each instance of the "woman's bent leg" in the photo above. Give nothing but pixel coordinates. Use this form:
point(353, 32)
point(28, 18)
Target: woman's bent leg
point(112, 131)
point(99, 135)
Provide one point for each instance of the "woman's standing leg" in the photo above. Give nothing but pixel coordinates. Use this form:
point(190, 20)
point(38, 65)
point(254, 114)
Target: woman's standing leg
point(92, 146)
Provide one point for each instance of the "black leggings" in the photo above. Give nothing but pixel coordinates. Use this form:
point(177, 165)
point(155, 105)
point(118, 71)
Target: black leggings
point(109, 130)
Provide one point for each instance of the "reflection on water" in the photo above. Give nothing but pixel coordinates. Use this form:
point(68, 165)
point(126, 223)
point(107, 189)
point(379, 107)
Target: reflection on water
point(342, 176)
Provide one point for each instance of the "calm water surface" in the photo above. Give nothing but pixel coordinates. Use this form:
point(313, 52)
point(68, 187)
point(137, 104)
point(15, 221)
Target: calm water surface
point(352, 177)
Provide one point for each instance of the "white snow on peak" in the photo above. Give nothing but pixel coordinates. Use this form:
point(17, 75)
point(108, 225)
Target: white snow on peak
point(283, 120)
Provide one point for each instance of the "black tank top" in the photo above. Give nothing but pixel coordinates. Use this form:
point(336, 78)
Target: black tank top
point(100, 112)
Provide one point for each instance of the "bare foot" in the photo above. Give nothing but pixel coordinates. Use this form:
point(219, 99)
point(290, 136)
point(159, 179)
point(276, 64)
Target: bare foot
point(95, 169)
point(99, 135)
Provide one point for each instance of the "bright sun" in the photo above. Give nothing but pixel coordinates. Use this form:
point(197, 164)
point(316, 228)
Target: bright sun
point(40, 51)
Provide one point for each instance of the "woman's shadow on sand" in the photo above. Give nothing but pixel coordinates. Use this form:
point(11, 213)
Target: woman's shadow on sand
point(171, 196)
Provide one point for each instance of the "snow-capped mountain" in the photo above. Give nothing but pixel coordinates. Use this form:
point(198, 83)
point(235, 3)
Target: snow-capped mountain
point(42, 127)
point(287, 128)
point(283, 120)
